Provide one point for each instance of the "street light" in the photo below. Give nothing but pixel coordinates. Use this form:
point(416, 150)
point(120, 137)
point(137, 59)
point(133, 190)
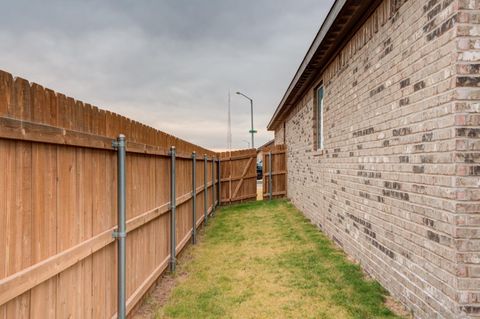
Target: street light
point(248, 143)
point(252, 131)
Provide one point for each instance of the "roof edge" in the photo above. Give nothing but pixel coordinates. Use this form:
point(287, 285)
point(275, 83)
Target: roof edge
point(326, 25)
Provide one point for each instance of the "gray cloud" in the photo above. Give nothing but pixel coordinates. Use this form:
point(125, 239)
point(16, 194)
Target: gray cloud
point(166, 63)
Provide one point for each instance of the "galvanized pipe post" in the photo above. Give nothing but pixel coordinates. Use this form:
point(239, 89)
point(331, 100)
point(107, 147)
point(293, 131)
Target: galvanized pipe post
point(120, 234)
point(270, 186)
point(219, 184)
point(194, 198)
point(173, 216)
point(213, 185)
point(205, 190)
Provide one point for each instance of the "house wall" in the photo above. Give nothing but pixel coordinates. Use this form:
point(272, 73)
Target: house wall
point(279, 135)
point(397, 183)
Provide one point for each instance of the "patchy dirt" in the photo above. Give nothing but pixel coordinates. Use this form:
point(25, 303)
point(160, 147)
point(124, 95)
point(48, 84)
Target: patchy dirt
point(397, 308)
point(157, 298)
point(161, 293)
point(390, 302)
point(259, 190)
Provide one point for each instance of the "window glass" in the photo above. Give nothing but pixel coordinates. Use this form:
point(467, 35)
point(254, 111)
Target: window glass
point(319, 118)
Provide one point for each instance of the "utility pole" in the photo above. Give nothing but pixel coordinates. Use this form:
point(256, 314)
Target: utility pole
point(252, 131)
point(229, 124)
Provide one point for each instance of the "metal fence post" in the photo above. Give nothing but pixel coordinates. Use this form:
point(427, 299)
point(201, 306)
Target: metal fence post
point(219, 184)
point(213, 185)
point(205, 190)
point(120, 234)
point(270, 174)
point(173, 217)
point(194, 198)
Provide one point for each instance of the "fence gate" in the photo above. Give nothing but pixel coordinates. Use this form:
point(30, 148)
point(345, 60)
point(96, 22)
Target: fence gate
point(238, 171)
point(274, 179)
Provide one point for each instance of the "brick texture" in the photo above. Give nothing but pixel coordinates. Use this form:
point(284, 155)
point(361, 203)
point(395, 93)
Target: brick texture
point(397, 184)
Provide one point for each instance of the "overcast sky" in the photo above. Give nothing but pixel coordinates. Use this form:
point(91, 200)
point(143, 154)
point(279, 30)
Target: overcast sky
point(168, 64)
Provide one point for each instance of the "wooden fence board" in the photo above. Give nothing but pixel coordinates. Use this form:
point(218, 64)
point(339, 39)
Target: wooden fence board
point(44, 191)
point(19, 224)
point(3, 208)
point(279, 171)
point(6, 90)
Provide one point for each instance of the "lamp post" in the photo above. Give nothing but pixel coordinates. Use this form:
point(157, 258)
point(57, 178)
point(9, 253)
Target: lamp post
point(252, 131)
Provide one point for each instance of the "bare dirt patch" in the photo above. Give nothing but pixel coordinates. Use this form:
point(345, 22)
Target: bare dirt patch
point(397, 307)
point(157, 298)
point(163, 290)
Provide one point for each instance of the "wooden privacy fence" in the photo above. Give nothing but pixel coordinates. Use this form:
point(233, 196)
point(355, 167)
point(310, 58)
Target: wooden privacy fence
point(274, 172)
point(238, 176)
point(58, 203)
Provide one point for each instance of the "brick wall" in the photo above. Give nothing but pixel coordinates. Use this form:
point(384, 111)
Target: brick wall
point(467, 155)
point(397, 183)
point(279, 135)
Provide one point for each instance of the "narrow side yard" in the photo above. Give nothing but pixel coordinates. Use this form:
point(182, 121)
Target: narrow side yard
point(265, 260)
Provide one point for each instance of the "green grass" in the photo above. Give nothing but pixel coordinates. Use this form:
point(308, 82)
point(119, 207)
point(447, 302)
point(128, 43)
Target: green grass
point(265, 260)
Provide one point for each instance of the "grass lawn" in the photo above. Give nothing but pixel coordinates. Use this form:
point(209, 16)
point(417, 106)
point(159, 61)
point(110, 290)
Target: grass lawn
point(265, 260)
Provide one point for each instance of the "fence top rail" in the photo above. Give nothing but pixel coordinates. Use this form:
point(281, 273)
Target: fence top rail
point(275, 149)
point(277, 152)
point(34, 132)
point(46, 113)
point(246, 156)
point(230, 155)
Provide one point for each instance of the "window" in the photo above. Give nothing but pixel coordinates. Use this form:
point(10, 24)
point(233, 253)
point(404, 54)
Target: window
point(319, 119)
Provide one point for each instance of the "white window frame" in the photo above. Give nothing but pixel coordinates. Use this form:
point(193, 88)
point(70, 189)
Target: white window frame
point(320, 94)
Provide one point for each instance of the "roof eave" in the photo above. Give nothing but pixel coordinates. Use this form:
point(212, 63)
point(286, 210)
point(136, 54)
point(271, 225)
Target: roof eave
point(343, 16)
point(327, 23)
